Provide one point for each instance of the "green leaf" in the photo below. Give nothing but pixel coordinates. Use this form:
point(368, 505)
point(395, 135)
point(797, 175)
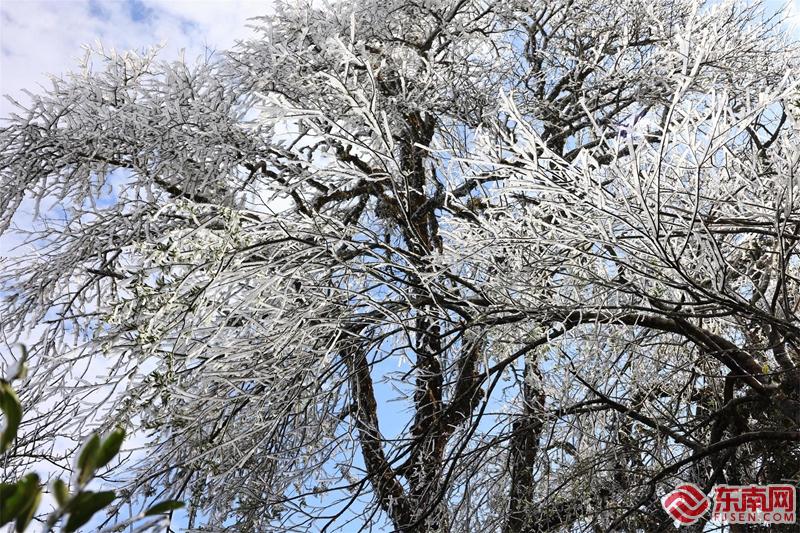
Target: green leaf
point(25, 516)
point(21, 371)
point(7, 491)
point(60, 492)
point(164, 507)
point(14, 503)
point(9, 404)
point(88, 459)
point(85, 505)
point(110, 447)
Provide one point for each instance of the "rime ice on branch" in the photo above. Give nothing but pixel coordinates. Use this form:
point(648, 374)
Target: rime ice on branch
point(429, 266)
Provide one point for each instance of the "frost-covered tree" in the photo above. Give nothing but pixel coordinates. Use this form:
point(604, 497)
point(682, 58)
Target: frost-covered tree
point(420, 265)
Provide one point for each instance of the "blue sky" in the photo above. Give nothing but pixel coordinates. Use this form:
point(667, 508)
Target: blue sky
point(46, 36)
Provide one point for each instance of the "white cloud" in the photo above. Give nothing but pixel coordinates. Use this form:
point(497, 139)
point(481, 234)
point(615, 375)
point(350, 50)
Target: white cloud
point(41, 37)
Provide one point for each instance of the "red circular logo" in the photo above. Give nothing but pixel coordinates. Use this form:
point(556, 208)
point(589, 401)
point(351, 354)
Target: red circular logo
point(686, 504)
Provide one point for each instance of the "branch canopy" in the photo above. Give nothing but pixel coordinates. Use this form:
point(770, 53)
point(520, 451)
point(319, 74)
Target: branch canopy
point(441, 265)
